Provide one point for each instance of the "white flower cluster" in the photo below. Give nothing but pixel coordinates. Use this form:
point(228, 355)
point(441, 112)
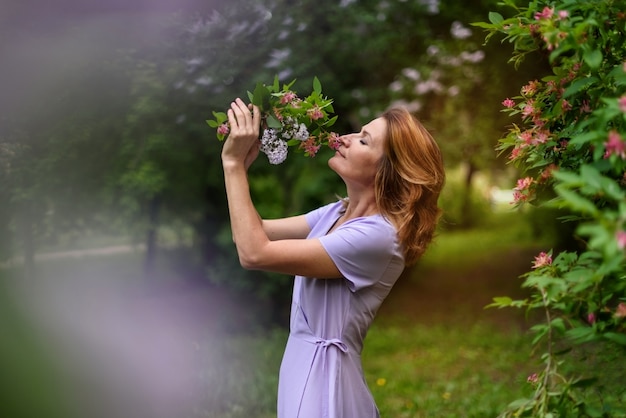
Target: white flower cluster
point(293, 130)
point(274, 143)
point(274, 147)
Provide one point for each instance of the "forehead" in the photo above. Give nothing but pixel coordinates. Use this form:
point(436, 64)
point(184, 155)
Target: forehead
point(377, 128)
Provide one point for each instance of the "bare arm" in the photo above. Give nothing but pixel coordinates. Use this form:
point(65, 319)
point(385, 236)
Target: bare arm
point(295, 227)
point(273, 245)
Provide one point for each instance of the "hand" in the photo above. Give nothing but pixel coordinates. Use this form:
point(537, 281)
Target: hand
point(242, 144)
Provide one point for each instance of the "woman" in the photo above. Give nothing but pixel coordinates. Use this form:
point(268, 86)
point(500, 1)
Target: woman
point(346, 256)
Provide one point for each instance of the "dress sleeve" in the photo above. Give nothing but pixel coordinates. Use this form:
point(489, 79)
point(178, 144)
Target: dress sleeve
point(314, 216)
point(362, 250)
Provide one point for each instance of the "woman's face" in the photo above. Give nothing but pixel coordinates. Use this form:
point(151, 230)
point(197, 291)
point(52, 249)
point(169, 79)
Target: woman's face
point(357, 158)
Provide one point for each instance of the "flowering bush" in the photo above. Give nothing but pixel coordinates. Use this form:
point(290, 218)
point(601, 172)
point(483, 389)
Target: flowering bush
point(288, 120)
point(570, 146)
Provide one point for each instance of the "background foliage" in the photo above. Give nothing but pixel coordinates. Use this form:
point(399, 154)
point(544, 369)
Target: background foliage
point(570, 145)
point(103, 139)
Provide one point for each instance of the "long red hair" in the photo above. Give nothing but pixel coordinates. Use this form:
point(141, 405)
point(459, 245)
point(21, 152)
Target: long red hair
point(409, 181)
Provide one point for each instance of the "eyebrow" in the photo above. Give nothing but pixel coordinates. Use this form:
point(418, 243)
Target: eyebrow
point(367, 133)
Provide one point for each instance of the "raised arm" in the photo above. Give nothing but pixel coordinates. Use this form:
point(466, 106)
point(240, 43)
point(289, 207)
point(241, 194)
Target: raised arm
point(273, 245)
point(295, 227)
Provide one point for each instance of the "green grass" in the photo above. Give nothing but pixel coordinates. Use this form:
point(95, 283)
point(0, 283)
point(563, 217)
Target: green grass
point(498, 233)
point(445, 370)
point(437, 366)
point(413, 371)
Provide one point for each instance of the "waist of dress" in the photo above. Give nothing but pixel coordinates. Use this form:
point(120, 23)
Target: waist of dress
point(320, 341)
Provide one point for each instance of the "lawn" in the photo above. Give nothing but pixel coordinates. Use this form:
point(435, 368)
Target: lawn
point(103, 345)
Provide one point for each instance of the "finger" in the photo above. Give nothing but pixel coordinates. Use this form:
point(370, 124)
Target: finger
point(256, 115)
point(239, 107)
point(245, 110)
point(232, 119)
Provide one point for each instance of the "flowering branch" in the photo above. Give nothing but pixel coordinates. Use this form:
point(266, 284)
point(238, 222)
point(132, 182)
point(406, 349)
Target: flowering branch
point(288, 120)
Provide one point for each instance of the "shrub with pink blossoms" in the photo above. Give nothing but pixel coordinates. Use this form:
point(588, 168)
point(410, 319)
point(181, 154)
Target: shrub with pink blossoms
point(288, 120)
point(542, 260)
point(570, 148)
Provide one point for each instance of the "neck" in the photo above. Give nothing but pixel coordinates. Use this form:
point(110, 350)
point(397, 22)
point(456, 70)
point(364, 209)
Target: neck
point(361, 205)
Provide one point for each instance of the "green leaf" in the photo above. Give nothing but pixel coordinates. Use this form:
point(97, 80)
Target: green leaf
point(495, 18)
point(584, 138)
point(585, 383)
point(576, 201)
point(317, 86)
point(579, 85)
point(568, 178)
point(483, 25)
point(522, 404)
point(331, 122)
point(276, 85)
point(212, 123)
point(273, 122)
point(593, 58)
point(581, 334)
point(261, 97)
point(615, 337)
point(500, 302)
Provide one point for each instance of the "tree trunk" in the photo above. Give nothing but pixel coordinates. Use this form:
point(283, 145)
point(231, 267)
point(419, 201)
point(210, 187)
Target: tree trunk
point(27, 238)
point(154, 207)
point(466, 205)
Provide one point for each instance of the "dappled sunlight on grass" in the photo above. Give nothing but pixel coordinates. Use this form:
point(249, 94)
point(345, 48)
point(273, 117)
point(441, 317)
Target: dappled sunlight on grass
point(445, 370)
point(500, 233)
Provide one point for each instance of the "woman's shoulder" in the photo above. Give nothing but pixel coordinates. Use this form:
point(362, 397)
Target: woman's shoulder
point(329, 209)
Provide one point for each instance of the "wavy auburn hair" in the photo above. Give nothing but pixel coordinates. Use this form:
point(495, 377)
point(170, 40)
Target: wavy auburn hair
point(409, 180)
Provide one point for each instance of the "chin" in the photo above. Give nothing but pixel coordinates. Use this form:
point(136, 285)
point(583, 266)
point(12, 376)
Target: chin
point(332, 161)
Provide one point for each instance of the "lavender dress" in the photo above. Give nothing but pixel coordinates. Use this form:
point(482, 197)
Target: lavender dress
point(321, 374)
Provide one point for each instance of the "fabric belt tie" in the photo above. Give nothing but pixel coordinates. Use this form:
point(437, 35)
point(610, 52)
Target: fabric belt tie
point(322, 350)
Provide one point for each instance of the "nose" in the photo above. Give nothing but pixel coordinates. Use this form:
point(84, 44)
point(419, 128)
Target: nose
point(344, 140)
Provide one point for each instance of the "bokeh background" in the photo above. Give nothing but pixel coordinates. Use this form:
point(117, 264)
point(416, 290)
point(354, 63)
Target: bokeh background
point(121, 293)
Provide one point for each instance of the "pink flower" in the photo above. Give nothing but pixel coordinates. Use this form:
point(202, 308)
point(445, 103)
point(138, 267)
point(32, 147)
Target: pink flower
point(526, 137)
point(552, 87)
point(519, 197)
point(563, 14)
point(542, 137)
point(620, 236)
point(546, 13)
point(278, 113)
point(521, 190)
point(547, 172)
point(508, 103)
point(523, 184)
point(310, 147)
point(315, 113)
point(533, 379)
point(333, 141)
point(542, 260)
point(622, 103)
point(529, 109)
point(615, 145)
point(288, 97)
point(591, 318)
point(223, 129)
point(538, 121)
point(515, 153)
point(620, 312)
point(585, 107)
point(565, 105)
point(530, 88)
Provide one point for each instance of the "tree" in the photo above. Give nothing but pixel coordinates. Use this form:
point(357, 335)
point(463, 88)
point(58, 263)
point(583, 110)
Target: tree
point(571, 147)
